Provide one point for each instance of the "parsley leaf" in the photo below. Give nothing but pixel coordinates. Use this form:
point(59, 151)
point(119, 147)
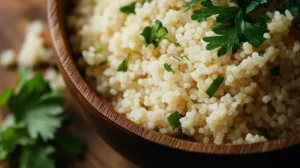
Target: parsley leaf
point(190, 4)
point(123, 67)
point(41, 110)
point(224, 13)
point(128, 9)
point(250, 5)
point(45, 119)
point(253, 34)
point(233, 26)
point(37, 156)
point(168, 67)
point(11, 137)
point(154, 33)
point(228, 39)
point(32, 125)
point(23, 75)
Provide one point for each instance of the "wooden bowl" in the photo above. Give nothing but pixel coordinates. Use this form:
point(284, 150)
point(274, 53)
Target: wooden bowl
point(146, 147)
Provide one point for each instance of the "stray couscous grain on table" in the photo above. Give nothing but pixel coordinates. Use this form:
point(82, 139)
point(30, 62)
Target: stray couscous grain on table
point(211, 71)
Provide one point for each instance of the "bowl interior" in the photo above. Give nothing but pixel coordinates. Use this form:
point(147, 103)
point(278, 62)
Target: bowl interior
point(57, 12)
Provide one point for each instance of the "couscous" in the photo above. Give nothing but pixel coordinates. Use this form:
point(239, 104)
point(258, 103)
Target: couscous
point(155, 63)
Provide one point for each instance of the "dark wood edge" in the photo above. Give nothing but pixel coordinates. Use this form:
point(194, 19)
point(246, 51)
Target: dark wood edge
point(72, 74)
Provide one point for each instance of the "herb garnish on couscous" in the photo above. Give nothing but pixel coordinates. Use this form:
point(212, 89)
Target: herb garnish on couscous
point(174, 118)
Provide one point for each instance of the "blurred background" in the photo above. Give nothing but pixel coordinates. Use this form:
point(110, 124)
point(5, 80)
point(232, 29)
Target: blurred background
point(15, 15)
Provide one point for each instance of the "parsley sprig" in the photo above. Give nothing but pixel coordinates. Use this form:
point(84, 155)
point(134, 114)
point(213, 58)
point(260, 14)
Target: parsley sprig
point(128, 9)
point(234, 25)
point(31, 130)
point(153, 34)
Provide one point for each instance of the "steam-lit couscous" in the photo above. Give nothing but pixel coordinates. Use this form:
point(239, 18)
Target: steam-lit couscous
point(175, 73)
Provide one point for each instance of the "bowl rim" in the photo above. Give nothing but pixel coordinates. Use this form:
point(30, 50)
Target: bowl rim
point(64, 58)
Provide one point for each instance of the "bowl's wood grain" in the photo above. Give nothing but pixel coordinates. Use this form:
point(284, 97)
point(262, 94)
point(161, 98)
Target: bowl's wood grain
point(143, 146)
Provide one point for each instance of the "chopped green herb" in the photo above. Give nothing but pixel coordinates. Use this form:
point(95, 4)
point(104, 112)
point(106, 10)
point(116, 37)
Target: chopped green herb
point(275, 71)
point(103, 63)
point(123, 67)
point(214, 86)
point(175, 43)
point(177, 57)
point(251, 5)
point(174, 118)
point(154, 33)
point(180, 58)
point(128, 9)
point(149, 1)
point(99, 49)
point(156, 129)
point(36, 115)
point(190, 4)
point(168, 67)
point(186, 57)
point(234, 26)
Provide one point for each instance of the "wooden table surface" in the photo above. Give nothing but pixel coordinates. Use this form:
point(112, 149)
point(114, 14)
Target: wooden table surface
point(14, 16)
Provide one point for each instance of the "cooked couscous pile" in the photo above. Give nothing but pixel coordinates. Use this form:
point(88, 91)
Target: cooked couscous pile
point(147, 84)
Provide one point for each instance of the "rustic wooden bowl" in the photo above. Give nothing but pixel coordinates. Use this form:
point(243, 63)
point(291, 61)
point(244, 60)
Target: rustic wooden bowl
point(145, 147)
